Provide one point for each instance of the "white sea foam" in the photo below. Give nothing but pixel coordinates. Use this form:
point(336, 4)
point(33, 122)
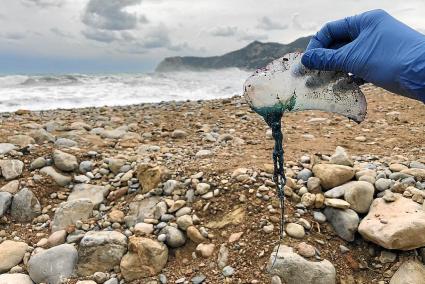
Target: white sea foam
point(79, 90)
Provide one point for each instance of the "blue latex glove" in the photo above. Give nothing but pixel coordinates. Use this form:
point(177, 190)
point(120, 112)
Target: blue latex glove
point(375, 47)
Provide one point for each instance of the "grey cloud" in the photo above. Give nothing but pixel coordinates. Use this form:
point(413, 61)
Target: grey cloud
point(111, 15)
point(252, 37)
point(303, 25)
point(100, 35)
point(265, 23)
point(44, 3)
point(61, 33)
point(223, 31)
point(13, 35)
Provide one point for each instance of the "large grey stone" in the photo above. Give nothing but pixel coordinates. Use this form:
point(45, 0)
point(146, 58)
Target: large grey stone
point(15, 278)
point(11, 254)
point(70, 212)
point(293, 268)
point(100, 251)
point(59, 178)
point(53, 265)
point(95, 193)
point(64, 161)
point(11, 169)
point(5, 201)
point(175, 237)
point(25, 206)
point(344, 222)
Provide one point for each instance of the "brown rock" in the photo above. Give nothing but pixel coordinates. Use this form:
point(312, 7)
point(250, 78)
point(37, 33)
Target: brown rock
point(205, 250)
point(306, 250)
point(145, 258)
point(11, 254)
point(57, 238)
point(319, 202)
point(116, 216)
point(235, 217)
point(117, 194)
point(333, 175)
point(149, 176)
point(194, 235)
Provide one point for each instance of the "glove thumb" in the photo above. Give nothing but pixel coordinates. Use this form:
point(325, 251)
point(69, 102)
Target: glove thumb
point(322, 59)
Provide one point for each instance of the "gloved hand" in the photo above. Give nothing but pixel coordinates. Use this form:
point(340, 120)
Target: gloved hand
point(375, 47)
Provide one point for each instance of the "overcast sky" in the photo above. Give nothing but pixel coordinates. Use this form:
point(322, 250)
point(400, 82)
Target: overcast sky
point(48, 36)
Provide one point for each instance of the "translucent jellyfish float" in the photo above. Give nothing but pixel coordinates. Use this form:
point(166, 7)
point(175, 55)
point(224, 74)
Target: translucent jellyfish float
point(285, 85)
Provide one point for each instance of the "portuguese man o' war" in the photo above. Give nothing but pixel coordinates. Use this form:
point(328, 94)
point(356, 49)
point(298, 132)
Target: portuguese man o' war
point(285, 85)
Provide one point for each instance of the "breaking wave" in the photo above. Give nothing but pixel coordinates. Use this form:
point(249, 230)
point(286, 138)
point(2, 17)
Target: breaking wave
point(81, 90)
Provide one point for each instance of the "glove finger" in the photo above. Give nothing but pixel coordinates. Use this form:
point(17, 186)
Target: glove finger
point(333, 34)
point(322, 59)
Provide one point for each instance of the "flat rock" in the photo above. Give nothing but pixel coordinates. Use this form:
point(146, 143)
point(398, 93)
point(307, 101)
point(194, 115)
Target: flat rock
point(145, 258)
point(54, 264)
point(59, 178)
point(64, 161)
point(344, 222)
point(419, 174)
point(25, 206)
point(233, 218)
point(5, 148)
point(65, 143)
point(337, 203)
point(68, 213)
point(293, 268)
point(95, 193)
point(337, 192)
point(100, 251)
point(360, 195)
point(143, 209)
point(332, 175)
point(11, 254)
point(21, 140)
point(15, 278)
point(11, 187)
point(410, 272)
point(11, 169)
point(395, 225)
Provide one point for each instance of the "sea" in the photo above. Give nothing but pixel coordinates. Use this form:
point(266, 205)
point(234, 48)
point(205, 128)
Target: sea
point(44, 92)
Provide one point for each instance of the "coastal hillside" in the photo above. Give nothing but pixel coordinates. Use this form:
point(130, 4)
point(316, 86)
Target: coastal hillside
point(254, 55)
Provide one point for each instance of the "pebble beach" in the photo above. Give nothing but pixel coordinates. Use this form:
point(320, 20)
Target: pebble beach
point(182, 192)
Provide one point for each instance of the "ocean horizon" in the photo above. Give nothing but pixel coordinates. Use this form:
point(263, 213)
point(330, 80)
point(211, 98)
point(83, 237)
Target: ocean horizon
point(76, 90)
